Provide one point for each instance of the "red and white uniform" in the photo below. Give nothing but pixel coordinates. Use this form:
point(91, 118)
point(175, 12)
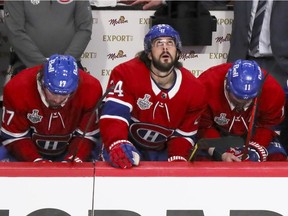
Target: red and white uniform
point(173, 113)
point(221, 118)
point(30, 129)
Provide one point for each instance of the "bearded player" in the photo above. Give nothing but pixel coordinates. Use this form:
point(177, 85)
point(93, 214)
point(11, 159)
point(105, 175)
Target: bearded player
point(152, 114)
point(49, 112)
point(233, 91)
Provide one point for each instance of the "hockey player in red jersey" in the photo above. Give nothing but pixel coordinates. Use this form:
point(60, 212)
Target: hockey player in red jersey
point(233, 89)
point(46, 112)
point(152, 114)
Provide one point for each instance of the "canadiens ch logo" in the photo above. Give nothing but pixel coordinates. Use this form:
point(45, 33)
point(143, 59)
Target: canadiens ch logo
point(221, 120)
point(144, 103)
point(34, 117)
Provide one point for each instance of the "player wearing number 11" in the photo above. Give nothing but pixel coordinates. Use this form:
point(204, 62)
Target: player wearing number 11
point(236, 91)
point(153, 112)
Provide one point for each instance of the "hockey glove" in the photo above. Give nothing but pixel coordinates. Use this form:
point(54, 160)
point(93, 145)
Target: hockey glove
point(123, 154)
point(256, 152)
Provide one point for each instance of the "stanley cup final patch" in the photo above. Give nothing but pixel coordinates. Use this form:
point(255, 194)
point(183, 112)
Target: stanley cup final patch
point(34, 117)
point(144, 103)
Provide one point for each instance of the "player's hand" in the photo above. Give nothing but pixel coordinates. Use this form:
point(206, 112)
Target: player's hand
point(72, 158)
point(123, 154)
point(230, 157)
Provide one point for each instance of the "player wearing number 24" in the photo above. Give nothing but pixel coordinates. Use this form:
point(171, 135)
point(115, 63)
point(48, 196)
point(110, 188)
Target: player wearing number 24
point(152, 114)
point(46, 112)
point(233, 89)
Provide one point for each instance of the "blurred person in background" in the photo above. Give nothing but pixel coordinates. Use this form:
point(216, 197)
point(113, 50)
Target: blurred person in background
point(38, 29)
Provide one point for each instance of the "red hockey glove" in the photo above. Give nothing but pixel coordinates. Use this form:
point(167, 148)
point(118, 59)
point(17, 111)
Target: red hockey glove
point(256, 152)
point(123, 154)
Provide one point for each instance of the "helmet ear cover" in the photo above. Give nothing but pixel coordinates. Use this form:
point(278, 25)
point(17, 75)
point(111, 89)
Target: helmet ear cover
point(161, 30)
point(244, 79)
point(61, 74)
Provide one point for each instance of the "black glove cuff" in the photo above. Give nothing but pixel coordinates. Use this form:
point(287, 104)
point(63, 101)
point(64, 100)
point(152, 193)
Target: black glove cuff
point(217, 153)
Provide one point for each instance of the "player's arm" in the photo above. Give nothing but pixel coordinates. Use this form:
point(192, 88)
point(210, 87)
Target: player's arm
point(183, 141)
point(114, 123)
point(85, 137)
point(15, 133)
point(270, 114)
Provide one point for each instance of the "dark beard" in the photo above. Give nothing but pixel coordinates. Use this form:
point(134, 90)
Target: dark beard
point(163, 67)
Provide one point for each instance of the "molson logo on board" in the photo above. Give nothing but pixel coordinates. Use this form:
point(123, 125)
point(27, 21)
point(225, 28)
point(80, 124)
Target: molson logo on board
point(121, 20)
point(188, 55)
point(117, 38)
point(120, 54)
point(222, 39)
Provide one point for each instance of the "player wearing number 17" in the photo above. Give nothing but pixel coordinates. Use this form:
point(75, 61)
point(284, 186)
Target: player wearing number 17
point(47, 110)
point(152, 113)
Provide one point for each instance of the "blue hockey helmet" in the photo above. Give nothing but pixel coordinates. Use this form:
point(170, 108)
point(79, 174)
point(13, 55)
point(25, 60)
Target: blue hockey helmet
point(61, 74)
point(161, 30)
point(244, 79)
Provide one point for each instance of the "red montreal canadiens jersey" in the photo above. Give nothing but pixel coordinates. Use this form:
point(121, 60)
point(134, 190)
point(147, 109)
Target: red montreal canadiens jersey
point(161, 115)
point(29, 127)
point(221, 118)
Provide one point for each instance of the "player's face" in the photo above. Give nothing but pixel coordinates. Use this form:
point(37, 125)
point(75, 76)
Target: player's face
point(164, 53)
point(237, 101)
point(55, 100)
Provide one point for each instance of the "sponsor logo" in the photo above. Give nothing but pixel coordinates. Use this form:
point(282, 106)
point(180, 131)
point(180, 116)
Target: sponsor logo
point(196, 73)
point(227, 21)
point(223, 39)
point(124, 212)
point(145, 21)
point(121, 20)
point(117, 38)
point(89, 55)
point(120, 54)
point(106, 72)
point(218, 55)
point(189, 55)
